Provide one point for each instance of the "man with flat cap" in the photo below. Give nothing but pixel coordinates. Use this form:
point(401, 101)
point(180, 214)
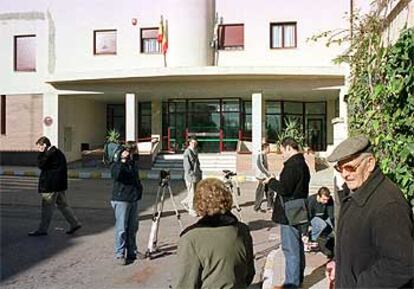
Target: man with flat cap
point(375, 241)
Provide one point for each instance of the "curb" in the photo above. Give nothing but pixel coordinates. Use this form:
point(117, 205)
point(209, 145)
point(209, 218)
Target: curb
point(99, 175)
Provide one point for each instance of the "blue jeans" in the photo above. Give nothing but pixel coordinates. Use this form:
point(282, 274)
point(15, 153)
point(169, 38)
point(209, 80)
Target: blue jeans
point(292, 247)
point(126, 227)
point(318, 226)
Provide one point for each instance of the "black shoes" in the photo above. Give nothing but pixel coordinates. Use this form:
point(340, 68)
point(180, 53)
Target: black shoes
point(36, 234)
point(73, 230)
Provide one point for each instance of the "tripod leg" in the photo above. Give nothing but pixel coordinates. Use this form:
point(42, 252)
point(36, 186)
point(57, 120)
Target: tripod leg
point(175, 208)
point(236, 203)
point(153, 237)
point(236, 200)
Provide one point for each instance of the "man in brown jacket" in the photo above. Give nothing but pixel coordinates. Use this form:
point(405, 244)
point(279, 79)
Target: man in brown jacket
point(374, 246)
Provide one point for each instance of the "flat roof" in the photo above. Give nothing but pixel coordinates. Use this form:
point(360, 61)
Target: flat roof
point(205, 72)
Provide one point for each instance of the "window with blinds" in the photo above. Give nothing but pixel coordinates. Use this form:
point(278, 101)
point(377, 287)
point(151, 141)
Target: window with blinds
point(25, 53)
point(149, 43)
point(231, 37)
point(283, 35)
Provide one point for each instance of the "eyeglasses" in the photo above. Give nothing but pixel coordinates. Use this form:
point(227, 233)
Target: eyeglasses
point(349, 168)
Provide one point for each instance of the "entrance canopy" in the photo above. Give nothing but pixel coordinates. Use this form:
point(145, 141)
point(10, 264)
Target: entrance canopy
point(212, 103)
point(204, 82)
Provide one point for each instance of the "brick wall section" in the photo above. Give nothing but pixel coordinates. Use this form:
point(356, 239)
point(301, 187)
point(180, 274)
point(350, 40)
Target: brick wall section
point(244, 163)
point(24, 126)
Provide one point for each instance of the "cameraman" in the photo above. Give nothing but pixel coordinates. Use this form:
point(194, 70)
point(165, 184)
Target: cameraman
point(126, 192)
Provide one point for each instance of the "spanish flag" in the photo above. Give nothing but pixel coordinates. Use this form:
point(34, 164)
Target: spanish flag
point(164, 43)
point(160, 31)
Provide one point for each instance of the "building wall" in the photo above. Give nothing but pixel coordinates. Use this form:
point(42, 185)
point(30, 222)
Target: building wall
point(22, 23)
point(24, 125)
point(69, 48)
point(80, 121)
point(311, 18)
point(401, 15)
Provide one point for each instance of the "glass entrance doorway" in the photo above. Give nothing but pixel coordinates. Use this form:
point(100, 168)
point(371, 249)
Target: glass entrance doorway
point(214, 122)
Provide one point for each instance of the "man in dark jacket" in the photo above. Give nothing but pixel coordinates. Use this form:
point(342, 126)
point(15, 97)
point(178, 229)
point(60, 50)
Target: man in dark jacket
point(321, 212)
point(292, 186)
point(53, 182)
point(126, 192)
point(374, 246)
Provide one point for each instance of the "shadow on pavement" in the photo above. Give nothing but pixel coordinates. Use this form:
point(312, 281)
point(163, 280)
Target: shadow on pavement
point(313, 278)
point(261, 224)
point(90, 200)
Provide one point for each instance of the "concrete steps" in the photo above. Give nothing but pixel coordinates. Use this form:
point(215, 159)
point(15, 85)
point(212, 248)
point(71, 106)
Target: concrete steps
point(210, 163)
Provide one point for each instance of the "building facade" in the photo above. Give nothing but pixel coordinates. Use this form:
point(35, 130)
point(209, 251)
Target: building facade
point(234, 71)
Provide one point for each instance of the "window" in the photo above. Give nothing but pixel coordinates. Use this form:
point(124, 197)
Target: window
point(115, 118)
point(144, 121)
point(104, 42)
point(247, 120)
point(283, 35)
point(231, 37)
point(149, 43)
point(3, 115)
point(25, 53)
point(273, 120)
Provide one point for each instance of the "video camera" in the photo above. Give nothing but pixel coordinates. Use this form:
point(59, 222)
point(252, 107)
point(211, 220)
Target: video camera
point(164, 177)
point(228, 174)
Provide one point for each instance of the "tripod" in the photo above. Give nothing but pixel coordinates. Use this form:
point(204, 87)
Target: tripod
point(233, 185)
point(164, 186)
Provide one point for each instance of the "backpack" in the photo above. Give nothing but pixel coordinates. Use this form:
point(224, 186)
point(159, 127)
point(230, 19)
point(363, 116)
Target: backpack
point(111, 152)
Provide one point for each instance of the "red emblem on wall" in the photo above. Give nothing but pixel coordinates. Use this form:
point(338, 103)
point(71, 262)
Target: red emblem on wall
point(48, 120)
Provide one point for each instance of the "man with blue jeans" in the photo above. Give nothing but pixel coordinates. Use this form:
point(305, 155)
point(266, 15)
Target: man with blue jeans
point(127, 190)
point(293, 185)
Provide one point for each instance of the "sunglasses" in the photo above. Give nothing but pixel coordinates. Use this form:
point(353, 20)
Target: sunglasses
point(349, 168)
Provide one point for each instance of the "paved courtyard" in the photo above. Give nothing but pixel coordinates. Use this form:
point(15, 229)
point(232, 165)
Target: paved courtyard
point(85, 260)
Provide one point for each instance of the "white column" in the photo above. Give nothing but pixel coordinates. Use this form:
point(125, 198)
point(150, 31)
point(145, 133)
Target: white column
point(257, 125)
point(51, 117)
point(131, 121)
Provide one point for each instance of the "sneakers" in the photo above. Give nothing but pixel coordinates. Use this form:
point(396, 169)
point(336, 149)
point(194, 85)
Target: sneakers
point(73, 230)
point(36, 234)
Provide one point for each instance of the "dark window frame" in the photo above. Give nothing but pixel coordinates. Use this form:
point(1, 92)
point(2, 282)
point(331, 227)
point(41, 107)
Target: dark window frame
point(15, 53)
point(283, 24)
point(142, 115)
point(3, 114)
point(142, 46)
point(94, 42)
point(221, 37)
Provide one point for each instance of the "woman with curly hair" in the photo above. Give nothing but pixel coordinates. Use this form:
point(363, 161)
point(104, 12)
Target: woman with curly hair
point(217, 251)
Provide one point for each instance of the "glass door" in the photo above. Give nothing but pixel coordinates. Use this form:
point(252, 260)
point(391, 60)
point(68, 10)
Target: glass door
point(230, 124)
point(177, 126)
point(204, 123)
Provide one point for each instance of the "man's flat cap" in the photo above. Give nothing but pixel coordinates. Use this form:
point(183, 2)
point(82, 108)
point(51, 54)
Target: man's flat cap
point(351, 146)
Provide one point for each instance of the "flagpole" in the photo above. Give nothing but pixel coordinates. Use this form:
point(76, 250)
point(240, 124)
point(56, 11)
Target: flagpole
point(165, 43)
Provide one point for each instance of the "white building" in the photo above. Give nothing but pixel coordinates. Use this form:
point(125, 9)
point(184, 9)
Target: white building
point(71, 70)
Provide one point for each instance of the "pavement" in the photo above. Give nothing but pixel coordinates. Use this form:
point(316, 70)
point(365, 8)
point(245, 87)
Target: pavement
point(85, 260)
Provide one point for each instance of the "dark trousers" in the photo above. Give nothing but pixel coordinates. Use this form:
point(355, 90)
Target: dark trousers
point(261, 191)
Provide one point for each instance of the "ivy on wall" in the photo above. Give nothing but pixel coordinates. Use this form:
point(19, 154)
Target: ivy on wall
point(381, 105)
point(381, 93)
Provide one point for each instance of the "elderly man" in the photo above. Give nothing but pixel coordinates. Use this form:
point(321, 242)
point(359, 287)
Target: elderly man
point(375, 227)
